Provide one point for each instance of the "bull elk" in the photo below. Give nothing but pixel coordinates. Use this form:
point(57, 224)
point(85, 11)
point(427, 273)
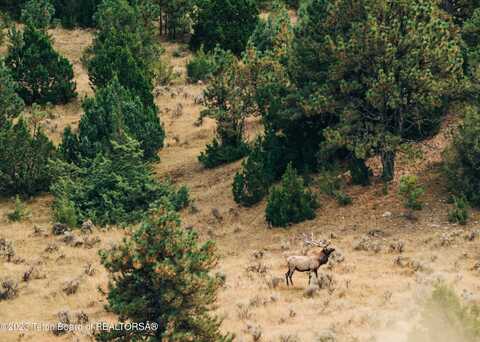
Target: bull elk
point(309, 263)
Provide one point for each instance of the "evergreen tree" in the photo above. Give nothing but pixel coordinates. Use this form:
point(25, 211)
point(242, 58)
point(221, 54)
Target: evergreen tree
point(124, 46)
point(227, 23)
point(374, 73)
point(11, 105)
point(41, 73)
point(290, 202)
point(38, 14)
point(163, 275)
point(462, 166)
point(113, 111)
point(24, 154)
point(114, 188)
point(460, 10)
point(229, 101)
point(73, 12)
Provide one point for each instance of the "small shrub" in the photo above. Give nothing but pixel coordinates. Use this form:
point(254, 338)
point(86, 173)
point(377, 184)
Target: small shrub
point(200, 67)
point(163, 72)
point(20, 212)
point(64, 212)
point(411, 192)
point(290, 202)
point(218, 154)
point(459, 212)
point(342, 198)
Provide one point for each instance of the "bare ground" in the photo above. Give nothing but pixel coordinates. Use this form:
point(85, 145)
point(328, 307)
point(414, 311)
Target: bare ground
point(373, 293)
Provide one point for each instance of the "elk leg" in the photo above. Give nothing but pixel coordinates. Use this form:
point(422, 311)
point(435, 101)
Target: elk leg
point(286, 276)
point(291, 277)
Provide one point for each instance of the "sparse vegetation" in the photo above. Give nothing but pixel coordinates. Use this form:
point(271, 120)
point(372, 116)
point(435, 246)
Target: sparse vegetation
point(20, 212)
point(411, 192)
point(459, 212)
point(446, 318)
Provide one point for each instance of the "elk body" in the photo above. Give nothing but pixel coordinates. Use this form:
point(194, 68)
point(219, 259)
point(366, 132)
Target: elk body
point(308, 263)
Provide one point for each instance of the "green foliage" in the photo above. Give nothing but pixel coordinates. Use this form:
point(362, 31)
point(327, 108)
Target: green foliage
point(461, 159)
point(273, 32)
point(38, 14)
point(217, 154)
point(459, 212)
point(20, 212)
point(353, 73)
point(460, 10)
point(342, 198)
point(124, 46)
point(227, 23)
point(41, 73)
point(411, 192)
point(113, 111)
point(471, 38)
point(162, 274)
point(229, 101)
point(24, 155)
point(359, 171)
point(76, 13)
point(446, 318)
point(11, 105)
point(112, 189)
point(290, 202)
point(201, 66)
point(64, 212)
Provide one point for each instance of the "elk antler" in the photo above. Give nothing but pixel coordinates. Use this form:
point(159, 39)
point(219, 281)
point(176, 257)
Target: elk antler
point(311, 241)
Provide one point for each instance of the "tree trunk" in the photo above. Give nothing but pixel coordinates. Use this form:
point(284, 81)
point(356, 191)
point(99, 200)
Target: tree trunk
point(359, 171)
point(388, 163)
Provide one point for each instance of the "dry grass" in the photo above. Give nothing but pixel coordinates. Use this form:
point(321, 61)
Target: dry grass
point(371, 296)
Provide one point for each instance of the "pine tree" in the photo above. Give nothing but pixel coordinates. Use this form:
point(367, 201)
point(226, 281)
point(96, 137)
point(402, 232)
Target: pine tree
point(290, 202)
point(41, 73)
point(227, 23)
point(38, 14)
point(162, 275)
point(124, 46)
point(374, 73)
point(24, 154)
point(460, 10)
point(11, 105)
point(114, 188)
point(112, 112)
point(461, 159)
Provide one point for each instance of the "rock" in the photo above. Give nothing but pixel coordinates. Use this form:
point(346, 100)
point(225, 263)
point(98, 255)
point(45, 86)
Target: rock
point(71, 286)
point(216, 213)
point(71, 239)
point(387, 214)
point(87, 226)
point(60, 228)
point(90, 242)
point(325, 336)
